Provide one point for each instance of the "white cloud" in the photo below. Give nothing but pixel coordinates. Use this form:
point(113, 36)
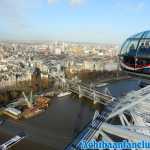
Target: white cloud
point(71, 2)
point(52, 1)
point(76, 2)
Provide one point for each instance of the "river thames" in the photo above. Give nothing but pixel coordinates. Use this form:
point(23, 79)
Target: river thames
point(54, 129)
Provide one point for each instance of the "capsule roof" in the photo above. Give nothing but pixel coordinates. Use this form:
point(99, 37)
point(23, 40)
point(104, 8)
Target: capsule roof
point(141, 35)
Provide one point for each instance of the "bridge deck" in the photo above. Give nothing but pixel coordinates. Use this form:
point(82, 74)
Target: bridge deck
point(91, 94)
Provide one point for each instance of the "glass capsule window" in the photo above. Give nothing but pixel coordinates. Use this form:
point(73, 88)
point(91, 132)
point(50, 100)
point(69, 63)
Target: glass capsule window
point(144, 48)
point(124, 47)
point(135, 53)
point(129, 48)
point(137, 45)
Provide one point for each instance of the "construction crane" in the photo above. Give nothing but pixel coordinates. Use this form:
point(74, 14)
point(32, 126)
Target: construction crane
point(29, 101)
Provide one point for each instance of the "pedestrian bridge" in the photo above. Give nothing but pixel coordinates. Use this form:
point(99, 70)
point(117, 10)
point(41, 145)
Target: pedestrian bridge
point(82, 90)
point(89, 93)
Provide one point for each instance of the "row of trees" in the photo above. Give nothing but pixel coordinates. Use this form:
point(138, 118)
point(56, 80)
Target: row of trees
point(86, 75)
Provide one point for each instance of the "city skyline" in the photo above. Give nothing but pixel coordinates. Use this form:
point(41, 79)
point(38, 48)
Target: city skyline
point(73, 20)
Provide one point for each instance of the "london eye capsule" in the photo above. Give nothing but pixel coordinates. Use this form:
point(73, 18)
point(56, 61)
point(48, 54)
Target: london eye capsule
point(134, 56)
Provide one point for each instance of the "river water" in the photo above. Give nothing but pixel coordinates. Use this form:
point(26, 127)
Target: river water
point(65, 116)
